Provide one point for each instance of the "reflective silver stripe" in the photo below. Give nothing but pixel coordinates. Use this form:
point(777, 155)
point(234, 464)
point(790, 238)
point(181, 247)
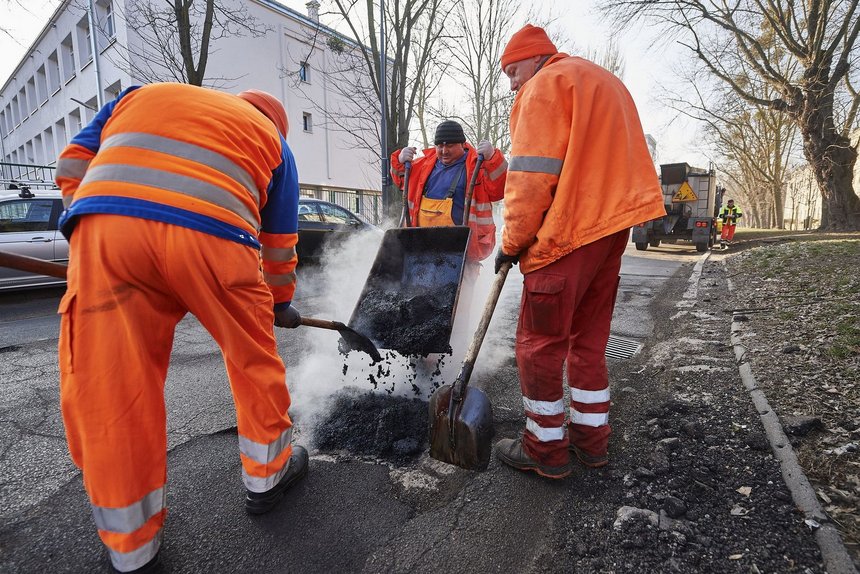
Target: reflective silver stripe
point(543, 407)
point(544, 434)
point(71, 168)
point(129, 518)
point(481, 220)
point(263, 483)
point(187, 151)
point(67, 200)
point(482, 206)
point(497, 173)
point(185, 185)
point(128, 561)
point(411, 205)
point(265, 453)
point(278, 253)
point(589, 397)
point(549, 165)
point(588, 419)
point(279, 280)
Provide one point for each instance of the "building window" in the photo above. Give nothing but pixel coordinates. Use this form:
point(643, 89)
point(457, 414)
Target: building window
point(23, 113)
point(42, 85)
point(108, 27)
point(53, 72)
point(32, 98)
point(61, 139)
point(307, 122)
point(68, 51)
point(4, 129)
point(84, 44)
point(305, 72)
point(75, 125)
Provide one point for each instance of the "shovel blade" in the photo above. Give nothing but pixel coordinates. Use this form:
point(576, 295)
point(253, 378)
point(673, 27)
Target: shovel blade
point(461, 433)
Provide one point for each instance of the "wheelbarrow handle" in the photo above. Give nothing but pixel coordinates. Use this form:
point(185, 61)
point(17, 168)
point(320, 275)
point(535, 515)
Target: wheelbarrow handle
point(480, 332)
point(404, 218)
point(467, 203)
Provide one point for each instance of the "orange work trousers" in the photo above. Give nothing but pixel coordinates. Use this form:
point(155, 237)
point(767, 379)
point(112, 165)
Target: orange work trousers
point(130, 281)
point(565, 316)
point(728, 233)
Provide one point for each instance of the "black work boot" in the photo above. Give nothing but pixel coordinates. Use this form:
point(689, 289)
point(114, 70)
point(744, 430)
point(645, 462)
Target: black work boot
point(589, 460)
point(510, 451)
point(262, 502)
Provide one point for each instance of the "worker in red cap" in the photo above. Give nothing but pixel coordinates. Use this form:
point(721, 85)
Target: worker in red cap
point(579, 177)
point(172, 191)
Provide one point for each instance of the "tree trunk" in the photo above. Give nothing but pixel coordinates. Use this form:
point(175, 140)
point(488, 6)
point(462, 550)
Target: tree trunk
point(832, 159)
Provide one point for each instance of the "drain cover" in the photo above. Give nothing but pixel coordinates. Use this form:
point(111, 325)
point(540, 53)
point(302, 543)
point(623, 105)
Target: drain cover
point(618, 348)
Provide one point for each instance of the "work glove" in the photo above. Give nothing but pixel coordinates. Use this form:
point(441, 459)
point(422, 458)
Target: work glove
point(288, 318)
point(502, 258)
point(406, 154)
point(486, 149)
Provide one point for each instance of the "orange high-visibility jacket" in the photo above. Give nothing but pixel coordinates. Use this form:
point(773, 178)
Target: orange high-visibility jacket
point(580, 168)
point(193, 157)
point(489, 187)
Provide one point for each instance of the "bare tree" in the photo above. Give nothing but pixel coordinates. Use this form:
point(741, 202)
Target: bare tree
point(171, 40)
point(608, 56)
point(818, 35)
point(414, 29)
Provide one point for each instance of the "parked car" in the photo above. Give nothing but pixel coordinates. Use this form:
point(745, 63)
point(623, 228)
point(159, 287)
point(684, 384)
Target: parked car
point(28, 226)
point(324, 224)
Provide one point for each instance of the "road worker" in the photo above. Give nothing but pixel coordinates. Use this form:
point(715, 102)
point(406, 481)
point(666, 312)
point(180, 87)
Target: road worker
point(171, 192)
point(729, 214)
point(580, 176)
point(438, 183)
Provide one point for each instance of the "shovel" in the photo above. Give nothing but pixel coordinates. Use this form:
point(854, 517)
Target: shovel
point(461, 417)
point(351, 340)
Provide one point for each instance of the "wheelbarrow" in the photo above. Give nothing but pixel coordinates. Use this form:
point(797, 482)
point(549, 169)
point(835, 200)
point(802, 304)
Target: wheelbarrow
point(410, 296)
point(350, 339)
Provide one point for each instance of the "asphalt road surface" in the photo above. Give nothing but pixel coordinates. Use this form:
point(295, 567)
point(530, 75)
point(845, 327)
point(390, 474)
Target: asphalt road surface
point(352, 513)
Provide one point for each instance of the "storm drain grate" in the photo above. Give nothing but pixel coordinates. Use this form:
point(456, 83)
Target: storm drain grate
point(618, 348)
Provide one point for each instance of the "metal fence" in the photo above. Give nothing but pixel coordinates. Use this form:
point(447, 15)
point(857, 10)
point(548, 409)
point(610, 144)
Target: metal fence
point(33, 176)
point(366, 203)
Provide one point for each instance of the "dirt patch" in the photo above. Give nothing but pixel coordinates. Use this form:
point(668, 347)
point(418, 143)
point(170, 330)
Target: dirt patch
point(800, 299)
point(370, 424)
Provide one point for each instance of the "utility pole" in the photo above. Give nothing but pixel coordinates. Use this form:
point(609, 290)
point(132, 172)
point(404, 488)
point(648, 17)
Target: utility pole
point(383, 106)
point(94, 46)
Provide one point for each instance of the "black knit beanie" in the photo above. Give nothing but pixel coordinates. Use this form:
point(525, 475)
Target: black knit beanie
point(449, 131)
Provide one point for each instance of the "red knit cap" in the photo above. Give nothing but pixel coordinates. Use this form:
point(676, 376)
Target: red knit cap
point(529, 41)
point(270, 106)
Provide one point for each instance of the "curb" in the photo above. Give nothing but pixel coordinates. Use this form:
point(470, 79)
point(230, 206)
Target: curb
point(833, 551)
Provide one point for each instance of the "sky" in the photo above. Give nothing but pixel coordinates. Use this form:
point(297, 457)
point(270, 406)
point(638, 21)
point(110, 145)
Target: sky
point(646, 66)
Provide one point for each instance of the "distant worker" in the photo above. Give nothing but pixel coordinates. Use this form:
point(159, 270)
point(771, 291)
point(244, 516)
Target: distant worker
point(170, 192)
point(729, 214)
point(575, 186)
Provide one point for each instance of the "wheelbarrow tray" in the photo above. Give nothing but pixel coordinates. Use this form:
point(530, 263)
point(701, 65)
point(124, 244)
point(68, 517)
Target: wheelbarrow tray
point(411, 292)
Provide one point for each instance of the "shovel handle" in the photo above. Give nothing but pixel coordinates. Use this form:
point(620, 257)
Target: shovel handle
point(323, 324)
point(480, 332)
point(404, 218)
point(32, 265)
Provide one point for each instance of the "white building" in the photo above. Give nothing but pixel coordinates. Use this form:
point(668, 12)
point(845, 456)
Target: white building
point(54, 92)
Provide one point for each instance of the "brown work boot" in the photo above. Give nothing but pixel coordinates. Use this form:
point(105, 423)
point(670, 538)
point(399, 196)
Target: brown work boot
point(589, 460)
point(510, 451)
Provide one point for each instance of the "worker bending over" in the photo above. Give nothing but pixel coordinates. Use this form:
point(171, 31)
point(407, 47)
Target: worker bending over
point(171, 191)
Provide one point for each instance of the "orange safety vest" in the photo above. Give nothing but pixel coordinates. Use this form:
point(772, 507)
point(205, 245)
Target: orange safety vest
point(489, 187)
point(580, 169)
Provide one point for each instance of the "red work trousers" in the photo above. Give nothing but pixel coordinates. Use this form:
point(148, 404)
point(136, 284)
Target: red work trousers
point(565, 316)
point(130, 281)
point(728, 233)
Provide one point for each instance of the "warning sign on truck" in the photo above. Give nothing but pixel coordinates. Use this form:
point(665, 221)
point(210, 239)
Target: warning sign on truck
point(685, 193)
